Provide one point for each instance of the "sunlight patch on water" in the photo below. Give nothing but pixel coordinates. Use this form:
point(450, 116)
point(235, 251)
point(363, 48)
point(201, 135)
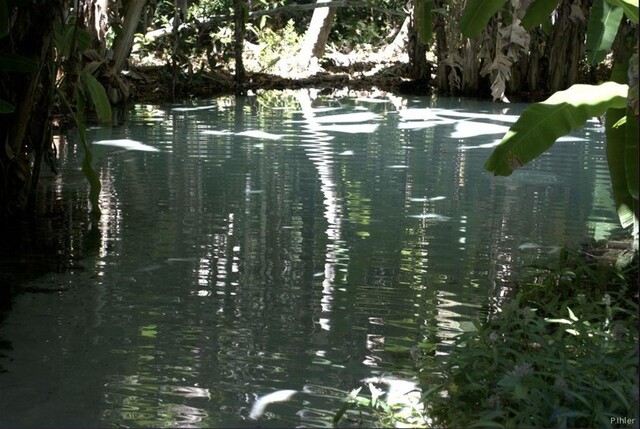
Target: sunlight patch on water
point(260, 135)
point(127, 144)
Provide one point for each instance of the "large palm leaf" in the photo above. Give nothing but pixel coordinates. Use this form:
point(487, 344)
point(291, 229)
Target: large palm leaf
point(542, 123)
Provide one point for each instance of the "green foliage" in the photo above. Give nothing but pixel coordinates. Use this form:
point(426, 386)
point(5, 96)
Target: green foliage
point(630, 8)
point(615, 149)
point(69, 38)
point(359, 26)
point(538, 13)
point(542, 123)
point(89, 172)
point(14, 63)
point(476, 15)
point(604, 20)
point(70, 42)
point(6, 107)
point(276, 45)
point(95, 93)
point(545, 361)
point(375, 407)
point(424, 20)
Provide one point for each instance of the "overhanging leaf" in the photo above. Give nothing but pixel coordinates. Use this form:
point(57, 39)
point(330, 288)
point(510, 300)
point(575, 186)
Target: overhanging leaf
point(537, 13)
point(543, 123)
point(424, 20)
point(630, 8)
point(6, 107)
point(87, 168)
point(97, 95)
point(476, 15)
point(14, 63)
point(615, 150)
point(604, 20)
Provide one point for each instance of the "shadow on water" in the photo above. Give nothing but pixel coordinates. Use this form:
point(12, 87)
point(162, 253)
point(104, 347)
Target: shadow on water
point(53, 240)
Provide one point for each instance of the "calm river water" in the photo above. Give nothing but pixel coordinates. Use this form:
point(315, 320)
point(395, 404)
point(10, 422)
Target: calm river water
point(280, 242)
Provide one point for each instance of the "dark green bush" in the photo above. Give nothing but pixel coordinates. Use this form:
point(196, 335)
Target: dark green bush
point(542, 361)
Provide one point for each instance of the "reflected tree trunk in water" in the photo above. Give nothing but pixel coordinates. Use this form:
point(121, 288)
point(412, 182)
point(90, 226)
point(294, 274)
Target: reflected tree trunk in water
point(321, 154)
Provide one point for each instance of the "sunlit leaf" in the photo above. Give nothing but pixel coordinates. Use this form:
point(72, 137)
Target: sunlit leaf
point(538, 13)
point(476, 15)
point(604, 20)
point(97, 95)
point(543, 123)
point(630, 8)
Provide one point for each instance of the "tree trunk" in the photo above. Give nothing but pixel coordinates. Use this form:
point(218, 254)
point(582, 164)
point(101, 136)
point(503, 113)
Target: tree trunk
point(96, 21)
point(315, 39)
point(440, 32)
point(240, 19)
point(419, 69)
point(122, 45)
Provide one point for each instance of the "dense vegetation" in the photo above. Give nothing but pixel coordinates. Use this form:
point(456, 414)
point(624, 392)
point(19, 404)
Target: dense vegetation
point(562, 353)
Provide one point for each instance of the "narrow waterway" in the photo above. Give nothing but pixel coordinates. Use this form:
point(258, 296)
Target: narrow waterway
point(281, 242)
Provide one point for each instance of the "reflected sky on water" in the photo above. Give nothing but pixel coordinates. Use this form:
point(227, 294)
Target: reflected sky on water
point(279, 243)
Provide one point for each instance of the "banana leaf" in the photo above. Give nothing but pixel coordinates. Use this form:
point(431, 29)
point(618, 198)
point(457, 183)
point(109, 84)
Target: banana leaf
point(537, 13)
point(616, 159)
point(424, 20)
point(543, 123)
point(476, 15)
point(630, 8)
point(604, 20)
point(97, 95)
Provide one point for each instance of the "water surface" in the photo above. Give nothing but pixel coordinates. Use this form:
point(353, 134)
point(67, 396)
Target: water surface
point(281, 242)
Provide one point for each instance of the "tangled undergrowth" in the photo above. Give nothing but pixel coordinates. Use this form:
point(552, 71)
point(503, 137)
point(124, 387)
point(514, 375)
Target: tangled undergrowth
point(562, 353)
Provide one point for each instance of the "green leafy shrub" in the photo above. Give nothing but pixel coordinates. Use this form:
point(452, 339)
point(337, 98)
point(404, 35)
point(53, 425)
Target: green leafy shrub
point(526, 368)
point(274, 45)
point(562, 353)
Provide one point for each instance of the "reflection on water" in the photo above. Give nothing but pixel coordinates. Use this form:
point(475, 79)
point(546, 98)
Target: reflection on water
point(283, 248)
